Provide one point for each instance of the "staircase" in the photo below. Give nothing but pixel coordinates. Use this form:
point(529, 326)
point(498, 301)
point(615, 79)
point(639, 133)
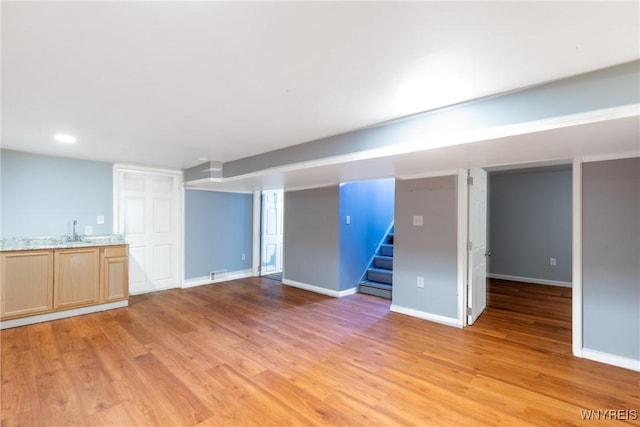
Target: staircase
point(378, 279)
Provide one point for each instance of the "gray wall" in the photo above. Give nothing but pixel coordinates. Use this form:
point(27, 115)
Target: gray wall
point(369, 204)
point(311, 237)
point(429, 251)
point(218, 230)
point(530, 222)
point(611, 257)
point(42, 195)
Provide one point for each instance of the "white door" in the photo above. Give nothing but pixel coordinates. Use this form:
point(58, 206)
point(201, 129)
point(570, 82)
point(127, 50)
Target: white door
point(148, 215)
point(272, 215)
point(477, 245)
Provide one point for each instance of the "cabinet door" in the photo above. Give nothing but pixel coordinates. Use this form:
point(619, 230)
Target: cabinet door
point(26, 283)
point(116, 283)
point(77, 277)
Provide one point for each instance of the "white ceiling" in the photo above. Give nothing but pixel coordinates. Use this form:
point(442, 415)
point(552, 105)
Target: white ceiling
point(166, 83)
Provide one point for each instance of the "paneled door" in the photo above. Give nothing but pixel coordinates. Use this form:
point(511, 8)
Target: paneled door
point(272, 234)
point(149, 216)
point(477, 245)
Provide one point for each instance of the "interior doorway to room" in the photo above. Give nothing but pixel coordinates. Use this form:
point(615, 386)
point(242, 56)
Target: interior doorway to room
point(529, 235)
point(271, 234)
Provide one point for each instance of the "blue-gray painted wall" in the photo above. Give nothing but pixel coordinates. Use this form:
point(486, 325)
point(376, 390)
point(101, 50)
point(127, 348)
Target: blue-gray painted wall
point(42, 195)
point(611, 257)
point(311, 241)
point(370, 206)
point(218, 230)
point(429, 251)
point(530, 222)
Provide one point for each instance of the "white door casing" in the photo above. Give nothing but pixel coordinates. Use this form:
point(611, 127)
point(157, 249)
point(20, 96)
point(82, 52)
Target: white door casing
point(272, 233)
point(477, 244)
point(148, 212)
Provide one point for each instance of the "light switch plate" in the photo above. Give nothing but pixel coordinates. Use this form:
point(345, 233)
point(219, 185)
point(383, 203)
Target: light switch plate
point(418, 220)
point(100, 219)
point(347, 219)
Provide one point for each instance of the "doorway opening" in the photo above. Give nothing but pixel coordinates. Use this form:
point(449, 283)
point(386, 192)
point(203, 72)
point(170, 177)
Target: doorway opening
point(271, 234)
point(529, 237)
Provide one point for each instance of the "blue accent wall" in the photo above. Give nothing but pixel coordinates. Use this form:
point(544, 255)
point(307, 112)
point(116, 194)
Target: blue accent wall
point(218, 230)
point(42, 195)
point(370, 206)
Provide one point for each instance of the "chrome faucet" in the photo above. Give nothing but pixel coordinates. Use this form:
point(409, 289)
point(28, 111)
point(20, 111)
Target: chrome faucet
point(75, 236)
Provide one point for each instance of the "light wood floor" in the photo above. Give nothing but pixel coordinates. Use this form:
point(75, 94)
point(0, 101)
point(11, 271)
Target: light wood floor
point(253, 352)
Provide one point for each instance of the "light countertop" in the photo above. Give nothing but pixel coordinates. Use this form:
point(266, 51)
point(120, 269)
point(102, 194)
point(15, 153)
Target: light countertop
point(60, 242)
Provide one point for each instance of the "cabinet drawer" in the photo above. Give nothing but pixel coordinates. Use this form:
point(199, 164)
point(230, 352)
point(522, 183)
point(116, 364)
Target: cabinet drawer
point(115, 251)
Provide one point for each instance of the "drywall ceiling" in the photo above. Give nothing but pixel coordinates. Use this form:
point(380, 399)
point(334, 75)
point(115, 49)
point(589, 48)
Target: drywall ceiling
point(168, 84)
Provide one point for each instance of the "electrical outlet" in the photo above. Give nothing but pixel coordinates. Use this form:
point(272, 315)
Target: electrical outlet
point(420, 282)
point(244, 257)
point(347, 219)
point(88, 230)
point(552, 261)
point(418, 220)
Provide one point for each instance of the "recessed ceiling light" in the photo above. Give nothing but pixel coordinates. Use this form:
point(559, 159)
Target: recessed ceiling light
point(65, 138)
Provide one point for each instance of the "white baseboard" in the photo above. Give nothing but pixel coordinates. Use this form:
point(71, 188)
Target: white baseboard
point(347, 292)
point(62, 314)
point(449, 321)
point(530, 280)
point(318, 289)
point(205, 280)
point(610, 359)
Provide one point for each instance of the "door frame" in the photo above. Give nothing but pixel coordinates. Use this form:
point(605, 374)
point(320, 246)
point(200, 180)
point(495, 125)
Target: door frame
point(118, 212)
point(261, 231)
point(462, 248)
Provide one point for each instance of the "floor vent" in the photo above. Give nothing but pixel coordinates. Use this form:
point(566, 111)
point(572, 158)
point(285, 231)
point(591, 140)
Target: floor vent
point(218, 275)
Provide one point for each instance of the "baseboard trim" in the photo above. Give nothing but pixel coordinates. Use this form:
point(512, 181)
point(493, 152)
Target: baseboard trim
point(347, 292)
point(449, 321)
point(318, 289)
point(610, 359)
point(205, 280)
point(23, 321)
point(530, 280)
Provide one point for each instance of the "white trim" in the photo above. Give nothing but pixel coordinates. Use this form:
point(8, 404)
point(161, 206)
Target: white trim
point(576, 321)
point(205, 280)
point(530, 280)
point(347, 292)
point(463, 254)
point(605, 157)
point(240, 274)
point(318, 289)
point(611, 359)
point(449, 321)
point(146, 169)
point(446, 172)
point(256, 242)
point(62, 314)
point(313, 187)
point(188, 186)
